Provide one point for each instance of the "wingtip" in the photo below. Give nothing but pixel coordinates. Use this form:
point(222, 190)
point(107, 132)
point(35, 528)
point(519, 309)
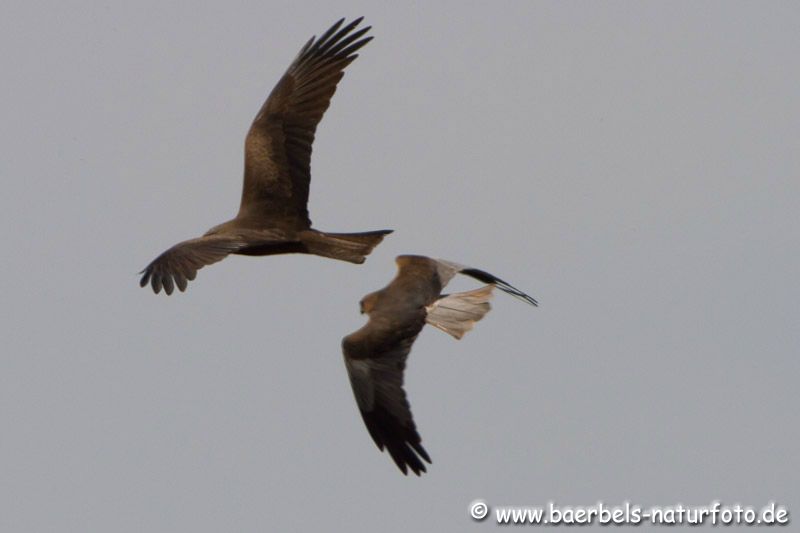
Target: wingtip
point(417, 469)
point(420, 468)
point(520, 296)
point(504, 286)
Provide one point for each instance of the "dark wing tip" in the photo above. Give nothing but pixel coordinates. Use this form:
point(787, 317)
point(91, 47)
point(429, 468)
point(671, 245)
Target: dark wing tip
point(504, 286)
point(335, 42)
point(330, 31)
point(150, 276)
point(158, 280)
point(402, 442)
point(364, 41)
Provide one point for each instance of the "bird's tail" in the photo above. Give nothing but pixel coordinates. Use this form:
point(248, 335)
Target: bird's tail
point(352, 247)
point(457, 313)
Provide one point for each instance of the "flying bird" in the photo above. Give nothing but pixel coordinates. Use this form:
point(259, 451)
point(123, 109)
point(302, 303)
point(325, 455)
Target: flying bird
point(375, 355)
point(273, 214)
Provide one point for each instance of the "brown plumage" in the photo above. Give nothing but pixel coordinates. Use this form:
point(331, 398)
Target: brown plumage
point(375, 355)
point(273, 215)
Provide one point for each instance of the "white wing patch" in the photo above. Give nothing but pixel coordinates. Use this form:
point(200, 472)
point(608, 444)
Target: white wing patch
point(457, 313)
point(446, 270)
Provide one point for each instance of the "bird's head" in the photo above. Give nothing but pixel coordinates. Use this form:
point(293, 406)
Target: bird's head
point(367, 303)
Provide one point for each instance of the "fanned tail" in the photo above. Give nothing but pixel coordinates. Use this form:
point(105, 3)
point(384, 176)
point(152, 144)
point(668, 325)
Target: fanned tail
point(457, 313)
point(351, 247)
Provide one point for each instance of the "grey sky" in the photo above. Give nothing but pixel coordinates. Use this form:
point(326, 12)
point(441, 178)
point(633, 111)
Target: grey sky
point(633, 165)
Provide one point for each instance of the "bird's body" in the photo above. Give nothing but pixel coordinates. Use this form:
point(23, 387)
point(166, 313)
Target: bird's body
point(375, 355)
point(273, 214)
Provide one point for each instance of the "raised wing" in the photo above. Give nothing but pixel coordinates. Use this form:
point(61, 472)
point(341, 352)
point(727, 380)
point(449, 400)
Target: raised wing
point(375, 362)
point(278, 146)
point(504, 286)
point(447, 269)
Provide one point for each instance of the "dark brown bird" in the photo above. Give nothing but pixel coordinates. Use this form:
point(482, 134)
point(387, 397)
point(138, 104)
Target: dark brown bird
point(375, 355)
point(273, 214)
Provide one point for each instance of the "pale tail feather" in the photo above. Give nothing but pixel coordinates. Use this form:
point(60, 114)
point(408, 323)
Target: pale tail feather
point(457, 313)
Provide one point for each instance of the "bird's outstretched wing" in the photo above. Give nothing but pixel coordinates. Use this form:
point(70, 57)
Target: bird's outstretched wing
point(278, 146)
point(375, 362)
point(179, 264)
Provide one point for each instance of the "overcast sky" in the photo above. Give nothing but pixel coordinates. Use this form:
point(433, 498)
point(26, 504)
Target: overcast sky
point(633, 165)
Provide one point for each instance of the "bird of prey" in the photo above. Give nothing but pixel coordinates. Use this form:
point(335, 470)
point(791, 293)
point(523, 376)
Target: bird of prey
point(375, 355)
point(273, 214)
